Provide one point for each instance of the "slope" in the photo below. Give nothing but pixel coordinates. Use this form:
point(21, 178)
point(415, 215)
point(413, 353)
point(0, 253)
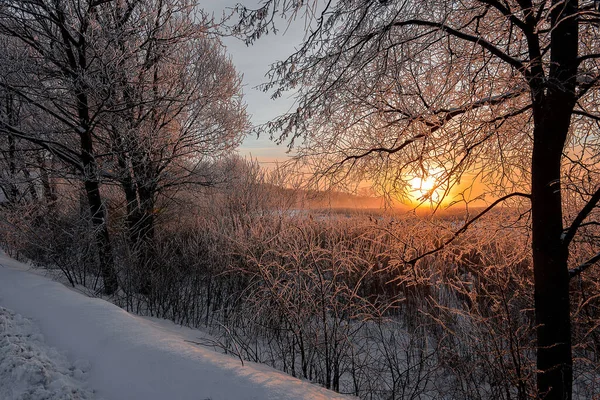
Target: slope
point(135, 358)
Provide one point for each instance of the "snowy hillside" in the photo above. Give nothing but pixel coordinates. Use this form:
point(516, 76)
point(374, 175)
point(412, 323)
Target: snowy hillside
point(57, 342)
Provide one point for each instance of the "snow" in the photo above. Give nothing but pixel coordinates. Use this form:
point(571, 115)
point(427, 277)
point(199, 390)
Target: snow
point(30, 369)
point(117, 355)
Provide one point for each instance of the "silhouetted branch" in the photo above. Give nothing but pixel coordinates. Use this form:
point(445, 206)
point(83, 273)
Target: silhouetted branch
point(584, 266)
point(570, 232)
point(467, 225)
point(448, 115)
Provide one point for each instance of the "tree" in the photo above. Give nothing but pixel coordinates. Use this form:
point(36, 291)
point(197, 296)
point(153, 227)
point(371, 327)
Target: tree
point(504, 91)
point(176, 101)
point(136, 92)
point(59, 78)
point(24, 164)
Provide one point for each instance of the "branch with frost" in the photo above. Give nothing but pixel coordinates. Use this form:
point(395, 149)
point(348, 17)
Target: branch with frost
point(466, 226)
point(59, 150)
point(570, 232)
point(475, 39)
point(446, 116)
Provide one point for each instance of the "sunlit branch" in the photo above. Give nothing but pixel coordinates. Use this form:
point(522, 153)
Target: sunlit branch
point(384, 149)
point(470, 148)
point(467, 225)
point(449, 114)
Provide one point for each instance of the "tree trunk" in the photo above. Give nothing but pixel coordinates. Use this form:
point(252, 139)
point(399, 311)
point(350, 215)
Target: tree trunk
point(144, 236)
point(102, 237)
point(550, 257)
point(131, 199)
point(14, 196)
point(48, 187)
point(552, 119)
point(12, 151)
point(98, 214)
point(554, 362)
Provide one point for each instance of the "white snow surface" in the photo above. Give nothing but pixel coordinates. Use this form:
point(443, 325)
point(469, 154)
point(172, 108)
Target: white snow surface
point(31, 370)
point(105, 352)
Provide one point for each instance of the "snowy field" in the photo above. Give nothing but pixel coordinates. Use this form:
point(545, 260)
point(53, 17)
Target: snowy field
point(56, 343)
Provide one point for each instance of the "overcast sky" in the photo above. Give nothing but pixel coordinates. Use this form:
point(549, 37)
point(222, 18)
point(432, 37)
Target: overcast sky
point(253, 62)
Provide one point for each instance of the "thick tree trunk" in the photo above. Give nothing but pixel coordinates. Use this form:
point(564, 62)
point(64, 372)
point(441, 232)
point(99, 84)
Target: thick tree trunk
point(550, 257)
point(554, 362)
point(553, 107)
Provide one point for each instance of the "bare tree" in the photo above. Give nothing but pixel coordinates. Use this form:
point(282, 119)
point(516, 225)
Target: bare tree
point(59, 78)
point(135, 92)
point(504, 91)
point(176, 102)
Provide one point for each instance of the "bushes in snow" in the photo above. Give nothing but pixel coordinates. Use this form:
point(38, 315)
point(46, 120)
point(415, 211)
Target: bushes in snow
point(331, 297)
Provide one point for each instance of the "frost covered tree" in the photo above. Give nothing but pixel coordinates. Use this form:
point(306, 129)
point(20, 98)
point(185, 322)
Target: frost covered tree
point(175, 101)
point(502, 91)
point(58, 77)
point(134, 92)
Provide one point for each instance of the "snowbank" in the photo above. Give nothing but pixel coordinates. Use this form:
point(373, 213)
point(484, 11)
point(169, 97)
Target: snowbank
point(134, 358)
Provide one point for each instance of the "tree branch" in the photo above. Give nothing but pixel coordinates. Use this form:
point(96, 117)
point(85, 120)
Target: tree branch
point(434, 126)
point(584, 266)
point(570, 232)
point(466, 225)
point(478, 40)
point(504, 10)
point(586, 115)
point(62, 152)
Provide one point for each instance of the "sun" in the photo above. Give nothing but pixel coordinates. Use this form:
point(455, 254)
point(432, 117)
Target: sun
point(424, 188)
point(422, 184)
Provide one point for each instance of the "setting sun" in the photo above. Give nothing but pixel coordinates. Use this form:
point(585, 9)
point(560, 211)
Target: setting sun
point(424, 189)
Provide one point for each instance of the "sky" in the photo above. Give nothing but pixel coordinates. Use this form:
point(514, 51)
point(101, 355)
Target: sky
point(253, 63)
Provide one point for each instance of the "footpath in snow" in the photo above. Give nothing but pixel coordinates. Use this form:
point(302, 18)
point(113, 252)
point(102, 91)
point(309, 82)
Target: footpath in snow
point(106, 353)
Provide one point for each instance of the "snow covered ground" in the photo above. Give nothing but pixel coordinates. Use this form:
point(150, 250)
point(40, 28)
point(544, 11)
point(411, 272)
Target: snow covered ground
point(64, 345)
point(30, 369)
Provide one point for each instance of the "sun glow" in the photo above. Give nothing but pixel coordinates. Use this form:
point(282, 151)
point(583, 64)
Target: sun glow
point(424, 189)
